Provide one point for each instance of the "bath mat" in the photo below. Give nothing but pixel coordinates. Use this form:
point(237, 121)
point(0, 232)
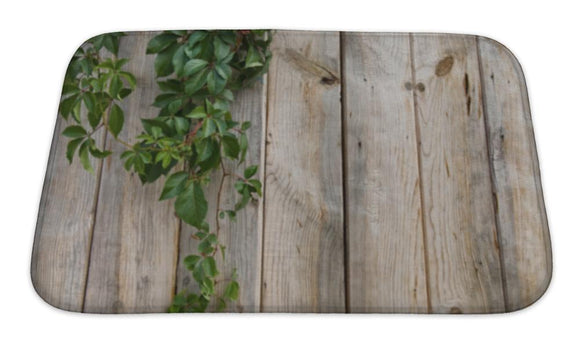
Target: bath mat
point(292, 171)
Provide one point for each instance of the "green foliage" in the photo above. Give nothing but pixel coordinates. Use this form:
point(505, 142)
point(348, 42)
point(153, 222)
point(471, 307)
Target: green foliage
point(192, 136)
point(198, 73)
point(97, 84)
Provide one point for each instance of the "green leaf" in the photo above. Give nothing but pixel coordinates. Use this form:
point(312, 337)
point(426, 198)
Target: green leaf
point(231, 147)
point(160, 42)
point(71, 148)
point(170, 85)
point(191, 261)
point(179, 60)
point(194, 65)
point(111, 43)
point(90, 101)
point(206, 148)
point(209, 155)
point(84, 156)
point(93, 150)
point(174, 106)
point(173, 185)
point(67, 105)
point(232, 290)
point(115, 86)
point(124, 93)
point(245, 199)
point(118, 64)
point(196, 37)
point(257, 186)
point(246, 125)
point(191, 205)
point(181, 125)
point(209, 267)
point(208, 127)
point(221, 125)
point(207, 288)
point(74, 132)
point(224, 71)
point(243, 147)
point(239, 186)
point(162, 100)
point(98, 153)
point(150, 123)
point(215, 83)
point(205, 247)
point(94, 118)
point(250, 171)
point(198, 112)
point(228, 95)
point(106, 65)
point(195, 83)
point(116, 120)
point(130, 78)
point(76, 112)
point(163, 61)
point(253, 58)
point(221, 49)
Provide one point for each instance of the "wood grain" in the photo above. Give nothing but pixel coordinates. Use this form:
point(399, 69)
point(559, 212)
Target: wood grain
point(303, 266)
point(523, 226)
point(60, 255)
point(242, 238)
point(433, 203)
point(385, 235)
point(134, 251)
point(462, 248)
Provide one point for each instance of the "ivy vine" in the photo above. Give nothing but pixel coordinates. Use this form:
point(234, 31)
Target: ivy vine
point(191, 137)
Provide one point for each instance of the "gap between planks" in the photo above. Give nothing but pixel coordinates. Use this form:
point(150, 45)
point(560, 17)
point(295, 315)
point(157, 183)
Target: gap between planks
point(492, 177)
point(92, 233)
point(264, 142)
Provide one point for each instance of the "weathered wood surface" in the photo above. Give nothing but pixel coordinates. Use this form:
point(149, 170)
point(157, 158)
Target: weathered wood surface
point(462, 250)
point(134, 250)
point(386, 260)
point(64, 227)
point(400, 175)
point(303, 269)
point(522, 223)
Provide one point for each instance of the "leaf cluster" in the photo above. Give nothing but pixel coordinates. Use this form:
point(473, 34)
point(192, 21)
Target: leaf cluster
point(97, 84)
point(192, 135)
point(198, 73)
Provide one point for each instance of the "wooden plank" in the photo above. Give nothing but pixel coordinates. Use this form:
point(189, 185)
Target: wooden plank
point(243, 238)
point(463, 254)
point(385, 234)
point(522, 222)
point(134, 252)
point(63, 232)
point(303, 260)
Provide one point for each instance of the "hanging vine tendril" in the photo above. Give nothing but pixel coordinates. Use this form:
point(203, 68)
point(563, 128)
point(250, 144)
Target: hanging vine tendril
point(192, 136)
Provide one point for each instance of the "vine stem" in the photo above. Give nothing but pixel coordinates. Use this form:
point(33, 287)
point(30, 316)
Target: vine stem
point(219, 197)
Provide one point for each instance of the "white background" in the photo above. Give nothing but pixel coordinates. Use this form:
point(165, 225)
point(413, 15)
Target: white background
point(36, 43)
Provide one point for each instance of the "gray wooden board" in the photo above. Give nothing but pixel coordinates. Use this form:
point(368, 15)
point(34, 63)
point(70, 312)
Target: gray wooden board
point(400, 175)
point(462, 252)
point(386, 260)
point(303, 269)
